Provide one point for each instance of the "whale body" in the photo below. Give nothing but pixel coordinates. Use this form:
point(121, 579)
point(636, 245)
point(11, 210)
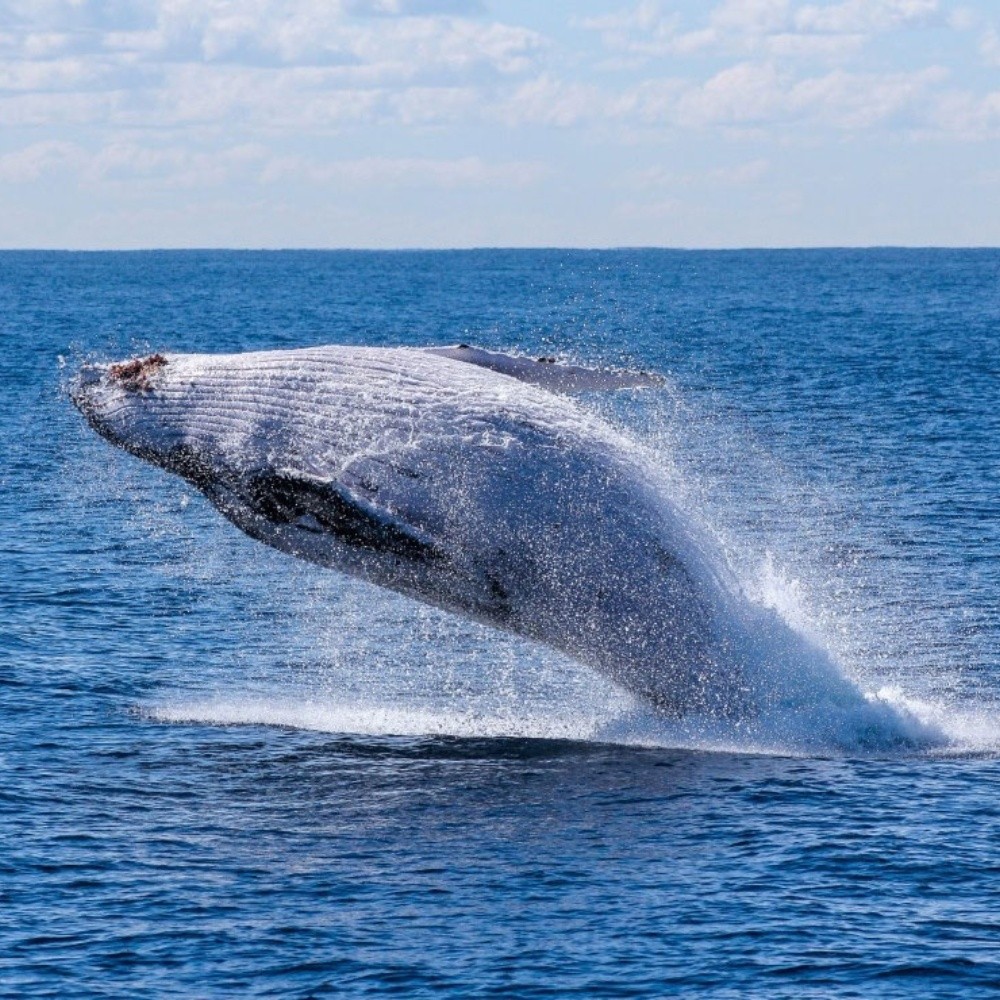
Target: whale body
point(479, 488)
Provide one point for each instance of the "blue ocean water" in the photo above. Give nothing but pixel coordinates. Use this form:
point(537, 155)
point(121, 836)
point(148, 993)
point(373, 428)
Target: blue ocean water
point(225, 772)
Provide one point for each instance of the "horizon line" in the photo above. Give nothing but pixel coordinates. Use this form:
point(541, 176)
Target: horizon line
point(484, 248)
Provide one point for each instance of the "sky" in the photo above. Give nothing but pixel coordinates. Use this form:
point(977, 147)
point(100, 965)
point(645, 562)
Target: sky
point(457, 123)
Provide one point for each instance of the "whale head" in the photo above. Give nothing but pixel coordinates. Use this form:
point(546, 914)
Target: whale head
point(296, 448)
point(125, 403)
point(225, 423)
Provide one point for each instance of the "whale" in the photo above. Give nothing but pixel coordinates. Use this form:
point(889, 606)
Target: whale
point(469, 480)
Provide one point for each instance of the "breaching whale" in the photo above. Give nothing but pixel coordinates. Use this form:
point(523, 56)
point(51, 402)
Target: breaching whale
point(465, 479)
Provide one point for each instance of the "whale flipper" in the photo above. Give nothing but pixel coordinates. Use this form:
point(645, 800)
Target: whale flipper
point(318, 505)
point(547, 373)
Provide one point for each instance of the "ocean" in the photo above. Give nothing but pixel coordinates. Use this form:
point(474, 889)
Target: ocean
point(226, 772)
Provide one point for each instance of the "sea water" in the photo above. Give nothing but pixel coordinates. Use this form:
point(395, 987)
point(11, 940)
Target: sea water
point(224, 772)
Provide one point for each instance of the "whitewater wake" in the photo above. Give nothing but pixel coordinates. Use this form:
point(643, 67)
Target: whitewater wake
point(887, 722)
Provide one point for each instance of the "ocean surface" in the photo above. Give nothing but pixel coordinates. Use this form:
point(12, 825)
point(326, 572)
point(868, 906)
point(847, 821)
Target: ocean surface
point(224, 772)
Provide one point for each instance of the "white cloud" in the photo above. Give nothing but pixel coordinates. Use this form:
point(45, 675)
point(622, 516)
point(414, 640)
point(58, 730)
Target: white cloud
point(419, 106)
point(763, 27)
point(961, 18)
point(380, 172)
point(123, 162)
point(963, 115)
point(413, 8)
point(644, 29)
point(321, 65)
point(751, 17)
point(743, 98)
point(863, 15)
point(648, 31)
point(45, 45)
point(293, 33)
point(742, 94)
point(742, 173)
point(752, 94)
point(861, 100)
point(58, 110)
point(545, 100)
point(830, 48)
point(731, 175)
point(174, 166)
point(38, 159)
point(260, 33)
point(282, 64)
point(644, 210)
point(289, 102)
point(989, 47)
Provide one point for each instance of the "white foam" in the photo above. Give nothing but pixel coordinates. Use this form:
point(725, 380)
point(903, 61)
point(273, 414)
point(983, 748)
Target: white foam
point(962, 729)
point(372, 719)
point(881, 722)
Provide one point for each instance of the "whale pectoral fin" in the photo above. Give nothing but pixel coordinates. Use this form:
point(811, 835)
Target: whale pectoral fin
point(328, 506)
point(547, 372)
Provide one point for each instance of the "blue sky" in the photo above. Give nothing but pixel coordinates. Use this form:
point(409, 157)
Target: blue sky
point(452, 123)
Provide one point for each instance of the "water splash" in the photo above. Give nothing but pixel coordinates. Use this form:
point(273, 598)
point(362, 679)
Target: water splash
point(883, 726)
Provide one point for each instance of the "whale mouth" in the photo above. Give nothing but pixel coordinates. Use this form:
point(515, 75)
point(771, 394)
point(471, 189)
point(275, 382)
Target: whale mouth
point(88, 392)
point(98, 390)
point(97, 394)
point(89, 377)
